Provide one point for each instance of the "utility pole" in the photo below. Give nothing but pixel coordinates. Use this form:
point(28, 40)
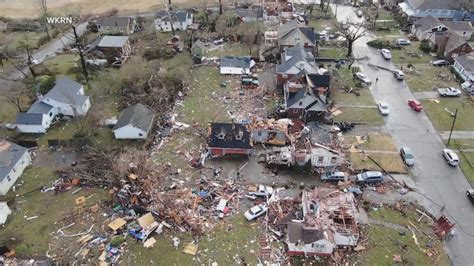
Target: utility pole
point(83, 61)
point(452, 126)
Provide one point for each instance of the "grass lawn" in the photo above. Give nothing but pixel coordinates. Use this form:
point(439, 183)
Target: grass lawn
point(468, 168)
point(31, 238)
point(230, 49)
point(62, 63)
point(14, 39)
point(410, 55)
point(443, 120)
point(384, 243)
point(426, 78)
point(369, 116)
point(226, 247)
point(365, 98)
point(375, 142)
point(461, 143)
point(332, 52)
point(390, 162)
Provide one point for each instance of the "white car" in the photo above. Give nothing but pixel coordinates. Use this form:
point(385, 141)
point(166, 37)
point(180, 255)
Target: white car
point(262, 191)
point(359, 13)
point(402, 42)
point(449, 92)
point(255, 212)
point(36, 61)
point(451, 157)
point(383, 108)
point(362, 77)
point(386, 54)
point(399, 75)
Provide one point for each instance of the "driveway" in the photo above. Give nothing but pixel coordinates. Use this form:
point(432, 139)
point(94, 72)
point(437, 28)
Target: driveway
point(441, 184)
point(426, 95)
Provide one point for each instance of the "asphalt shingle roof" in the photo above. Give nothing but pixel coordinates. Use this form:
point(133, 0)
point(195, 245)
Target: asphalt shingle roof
point(138, 115)
point(454, 42)
point(458, 25)
point(10, 154)
point(466, 61)
point(426, 23)
point(177, 16)
point(40, 108)
point(29, 119)
point(234, 61)
point(114, 21)
point(230, 132)
point(434, 4)
point(299, 58)
point(66, 91)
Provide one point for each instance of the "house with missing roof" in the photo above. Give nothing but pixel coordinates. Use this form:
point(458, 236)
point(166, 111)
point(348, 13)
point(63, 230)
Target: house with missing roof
point(330, 221)
point(229, 139)
point(427, 27)
point(441, 9)
point(66, 98)
point(166, 21)
point(135, 122)
point(292, 33)
point(117, 47)
point(250, 14)
point(13, 161)
point(234, 65)
point(116, 25)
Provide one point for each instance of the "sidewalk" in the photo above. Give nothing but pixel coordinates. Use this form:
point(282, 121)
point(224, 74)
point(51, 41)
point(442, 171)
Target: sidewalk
point(457, 135)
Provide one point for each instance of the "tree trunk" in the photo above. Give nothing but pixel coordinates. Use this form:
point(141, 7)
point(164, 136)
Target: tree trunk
point(220, 7)
point(83, 61)
point(349, 48)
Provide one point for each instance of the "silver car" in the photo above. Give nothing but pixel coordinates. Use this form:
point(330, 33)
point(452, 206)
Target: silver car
point(407, 156)
point(383, 108)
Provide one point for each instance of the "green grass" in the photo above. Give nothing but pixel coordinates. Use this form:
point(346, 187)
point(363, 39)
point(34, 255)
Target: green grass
point(375, 142)
point(390, 162)
point(332, 52)
point(427, 78)
point(467, 169)
point(14, 39)
point(410, 54)
point(461, 143)
point(61, 64)
point(383, 245)
point(365, 98)
point(442, 120)
point(219, 246)
point(32, 237)
point(369, 116)
point(230, 49)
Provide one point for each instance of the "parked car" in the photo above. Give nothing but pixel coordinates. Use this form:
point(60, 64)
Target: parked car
point(386, 54)
point(255, 212)
point(262, 191)
point(415, 105)
point(399, 75)
point(362, 77)
point(383, 108)
point(359, 13)
point(370, 177)
point(470, 195)
point(36, 62)
point(453, 92)
point(451, 157)
point(440, 63)
point(402, 42)
point(407, 156)
point(333, 177)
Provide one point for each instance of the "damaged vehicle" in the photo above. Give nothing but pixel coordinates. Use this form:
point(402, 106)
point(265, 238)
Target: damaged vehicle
point(255, 212)
point(333, 177)
point(261, 191)
point(370, 177)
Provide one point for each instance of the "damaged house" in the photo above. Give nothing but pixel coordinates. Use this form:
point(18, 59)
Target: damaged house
point(13, 161)
point(330, 222)
point(295, 60)
point(115, 48)
point(292, 33)
point(229, 139)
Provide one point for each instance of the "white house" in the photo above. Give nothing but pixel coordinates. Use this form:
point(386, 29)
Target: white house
point(233, 65)
point(65, 98)
point(13, 161)
point(302, 240)
point(181, 20)
point(135, 122)
point(464, 66)
point(4, 212)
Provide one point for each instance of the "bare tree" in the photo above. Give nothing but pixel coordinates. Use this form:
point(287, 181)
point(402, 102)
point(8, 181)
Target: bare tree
point(220, 7)
point(25, 44)
point(43, 5)
point(351, 34)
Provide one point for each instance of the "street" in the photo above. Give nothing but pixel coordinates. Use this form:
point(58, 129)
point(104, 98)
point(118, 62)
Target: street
point(441, 184)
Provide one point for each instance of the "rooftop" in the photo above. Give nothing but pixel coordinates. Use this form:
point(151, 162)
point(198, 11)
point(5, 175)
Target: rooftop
point(229, 135)
point(29, 119)
point(234, 61)
point(466, 61)
point(113, 41)
point(114, 21)
point(10, 153)
point(138, 115)
point(67, 91)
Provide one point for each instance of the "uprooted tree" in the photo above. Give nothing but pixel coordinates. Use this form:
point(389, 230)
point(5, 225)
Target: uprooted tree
point(352, 33)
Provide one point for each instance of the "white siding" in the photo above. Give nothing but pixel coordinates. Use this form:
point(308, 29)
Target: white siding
point(16, 172)
point(234, 70)
point(129, 132)
point(166, 26)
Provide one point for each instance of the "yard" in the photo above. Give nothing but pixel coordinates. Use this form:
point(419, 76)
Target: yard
point(332, 52)
point(369, 116)
point(62, 64)
point(428, 78)
point(442, 119)
point(410, 54)
point(391, 162)
point(372, 142)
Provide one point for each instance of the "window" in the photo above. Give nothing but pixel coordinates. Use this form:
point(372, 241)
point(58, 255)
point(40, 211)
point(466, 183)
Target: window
point(14, 170)
point(140, 134)
point(8, 178)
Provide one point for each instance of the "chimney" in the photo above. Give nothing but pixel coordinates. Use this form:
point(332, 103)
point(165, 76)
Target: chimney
point(239, 135)
point(221, 134)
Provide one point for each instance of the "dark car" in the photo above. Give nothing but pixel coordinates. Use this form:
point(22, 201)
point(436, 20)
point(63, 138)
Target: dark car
point(440, 63)
point(470, 195)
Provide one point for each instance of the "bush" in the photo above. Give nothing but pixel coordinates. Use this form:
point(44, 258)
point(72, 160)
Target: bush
point(42, 41)
point(425, 46)
point(379, 44)
point(46, 83)
point(158, 53)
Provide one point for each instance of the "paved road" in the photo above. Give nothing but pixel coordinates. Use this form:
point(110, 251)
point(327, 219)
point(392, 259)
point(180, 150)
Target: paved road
point(440, 183)
point(457, 134)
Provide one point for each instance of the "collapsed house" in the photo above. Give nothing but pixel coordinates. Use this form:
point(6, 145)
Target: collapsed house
point(116, 47)
point(271, 131)
point(229, 139)
point(330, 222)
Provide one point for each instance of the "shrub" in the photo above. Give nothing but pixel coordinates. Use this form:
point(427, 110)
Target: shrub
point(45, 83)
point(42, 41)
point(379, 44)
point(425, 46)
point(158, 53)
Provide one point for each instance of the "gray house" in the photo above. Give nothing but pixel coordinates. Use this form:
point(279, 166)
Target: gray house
point(135, 122)
point(114, 25)
point(13, 161)
point(440, 9)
